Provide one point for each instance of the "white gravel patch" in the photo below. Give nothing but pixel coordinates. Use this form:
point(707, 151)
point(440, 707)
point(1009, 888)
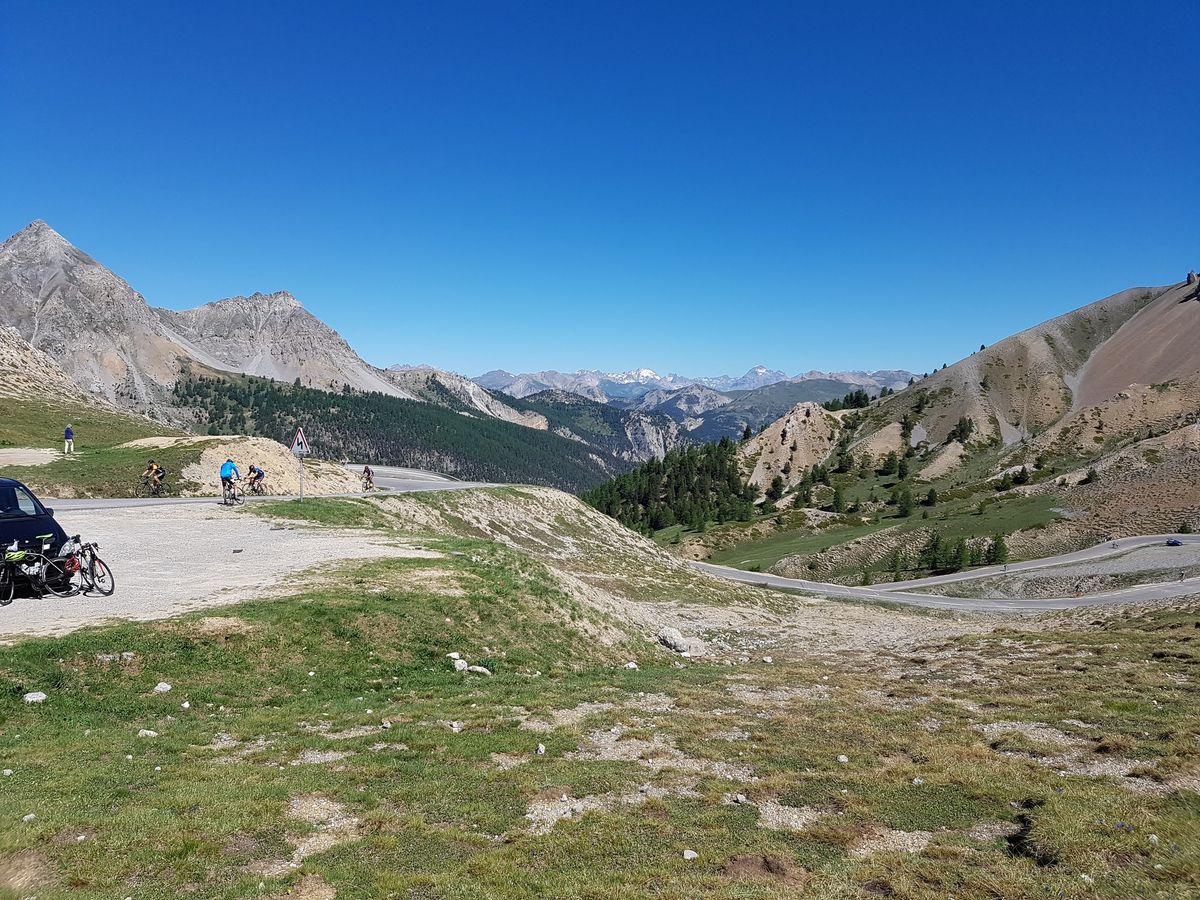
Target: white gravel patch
point(27, 456)
point(171, 559)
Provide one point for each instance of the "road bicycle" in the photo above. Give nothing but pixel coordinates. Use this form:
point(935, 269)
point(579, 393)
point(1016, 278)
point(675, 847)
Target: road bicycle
point(368, 484)
point(231, 494)
point(95, 577)
point(258, 487)
point(150, 488)
point(44, 573)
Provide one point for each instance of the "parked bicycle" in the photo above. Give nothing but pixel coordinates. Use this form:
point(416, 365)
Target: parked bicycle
point(95, 577)
point(34, 565)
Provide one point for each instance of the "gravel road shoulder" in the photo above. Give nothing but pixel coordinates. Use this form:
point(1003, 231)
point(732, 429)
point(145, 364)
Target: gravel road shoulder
point(172, 559)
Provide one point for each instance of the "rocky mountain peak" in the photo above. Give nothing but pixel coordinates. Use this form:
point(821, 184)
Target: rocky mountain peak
point(39, 244)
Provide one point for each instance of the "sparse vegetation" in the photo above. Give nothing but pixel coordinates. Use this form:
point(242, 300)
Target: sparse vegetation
point(440, 787)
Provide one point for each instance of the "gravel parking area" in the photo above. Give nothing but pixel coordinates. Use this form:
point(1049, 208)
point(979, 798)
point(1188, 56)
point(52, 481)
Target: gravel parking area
point(171, 559)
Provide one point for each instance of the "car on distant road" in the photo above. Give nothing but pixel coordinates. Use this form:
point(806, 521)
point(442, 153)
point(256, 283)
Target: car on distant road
point(24, 519)
point(1174, 542)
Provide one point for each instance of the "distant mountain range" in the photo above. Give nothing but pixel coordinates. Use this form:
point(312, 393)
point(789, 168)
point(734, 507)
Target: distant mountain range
point(608, 386)
point(114, 345)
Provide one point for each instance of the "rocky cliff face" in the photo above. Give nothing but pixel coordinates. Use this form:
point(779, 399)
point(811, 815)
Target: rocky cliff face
point(273, 336)
point(94, 325)
point(685, 402)
point(649, 437)
point(29, 374)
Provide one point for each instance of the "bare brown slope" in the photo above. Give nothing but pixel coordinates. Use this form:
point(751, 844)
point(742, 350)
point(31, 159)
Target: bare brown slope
point(1158, 344)
point(1019, 386)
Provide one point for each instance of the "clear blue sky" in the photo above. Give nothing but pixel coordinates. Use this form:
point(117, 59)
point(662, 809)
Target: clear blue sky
point(688, 186)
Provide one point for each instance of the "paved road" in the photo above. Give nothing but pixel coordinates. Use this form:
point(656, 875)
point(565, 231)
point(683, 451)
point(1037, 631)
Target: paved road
point(895, 591)
point(389, 480)
point(1100, 551)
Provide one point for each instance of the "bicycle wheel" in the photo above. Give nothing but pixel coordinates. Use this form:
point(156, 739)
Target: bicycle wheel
point(101, 577)
point(236, 495)
point(56, 580)
point(8, 584)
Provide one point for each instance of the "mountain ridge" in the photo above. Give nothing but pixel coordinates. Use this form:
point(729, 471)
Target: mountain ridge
point(608, 386)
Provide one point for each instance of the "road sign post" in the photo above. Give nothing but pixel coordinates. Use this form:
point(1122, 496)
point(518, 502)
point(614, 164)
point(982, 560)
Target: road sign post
point(300, 449)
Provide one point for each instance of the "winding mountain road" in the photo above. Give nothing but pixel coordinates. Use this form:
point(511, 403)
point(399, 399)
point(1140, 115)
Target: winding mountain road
point(897, 591)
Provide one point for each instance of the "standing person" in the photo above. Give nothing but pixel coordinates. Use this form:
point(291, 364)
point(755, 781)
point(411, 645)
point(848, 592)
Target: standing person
point(68, 439)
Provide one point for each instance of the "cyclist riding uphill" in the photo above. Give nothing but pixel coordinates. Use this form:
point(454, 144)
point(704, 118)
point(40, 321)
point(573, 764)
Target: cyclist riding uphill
point(256, 475)
point(229, 473)
point(154, 472)
point(368, 476)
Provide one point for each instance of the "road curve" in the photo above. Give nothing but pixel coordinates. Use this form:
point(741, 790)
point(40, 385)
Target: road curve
point(1100, 551)
point(895, 591)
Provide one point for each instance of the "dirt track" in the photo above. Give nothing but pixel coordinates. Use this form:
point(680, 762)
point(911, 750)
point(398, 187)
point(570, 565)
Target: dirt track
point(170, 559)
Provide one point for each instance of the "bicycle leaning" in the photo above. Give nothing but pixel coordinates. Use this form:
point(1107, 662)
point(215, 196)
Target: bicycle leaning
point(75, 568)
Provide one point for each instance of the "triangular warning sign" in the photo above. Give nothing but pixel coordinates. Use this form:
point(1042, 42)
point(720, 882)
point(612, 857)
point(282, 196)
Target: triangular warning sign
point(300, 444)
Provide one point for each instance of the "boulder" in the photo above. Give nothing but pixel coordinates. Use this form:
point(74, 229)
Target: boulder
point(673, 639)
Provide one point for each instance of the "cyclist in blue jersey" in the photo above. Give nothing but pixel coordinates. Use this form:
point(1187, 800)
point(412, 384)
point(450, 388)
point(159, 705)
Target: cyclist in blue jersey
point(229, 473)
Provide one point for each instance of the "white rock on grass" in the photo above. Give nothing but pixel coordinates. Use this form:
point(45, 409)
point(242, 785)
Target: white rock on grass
point(631, 665)
point(843, 758)
point(460, 665)
point(7, 773)
point(28, 817)
point(454, 655)
point(479, 670)
point(690, 854)
point(162, 688)
point(541, 749)
point(673, 639)
point(768, 659)
point(185, 705)
point(35, 697)
point(147, 733)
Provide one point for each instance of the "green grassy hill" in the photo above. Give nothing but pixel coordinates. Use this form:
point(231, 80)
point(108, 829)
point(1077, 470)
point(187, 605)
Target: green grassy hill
point(100, 467)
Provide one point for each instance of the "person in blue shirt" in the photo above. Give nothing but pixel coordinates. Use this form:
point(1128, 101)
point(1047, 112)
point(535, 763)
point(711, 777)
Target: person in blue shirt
point(229, 473)
point(68, 440)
